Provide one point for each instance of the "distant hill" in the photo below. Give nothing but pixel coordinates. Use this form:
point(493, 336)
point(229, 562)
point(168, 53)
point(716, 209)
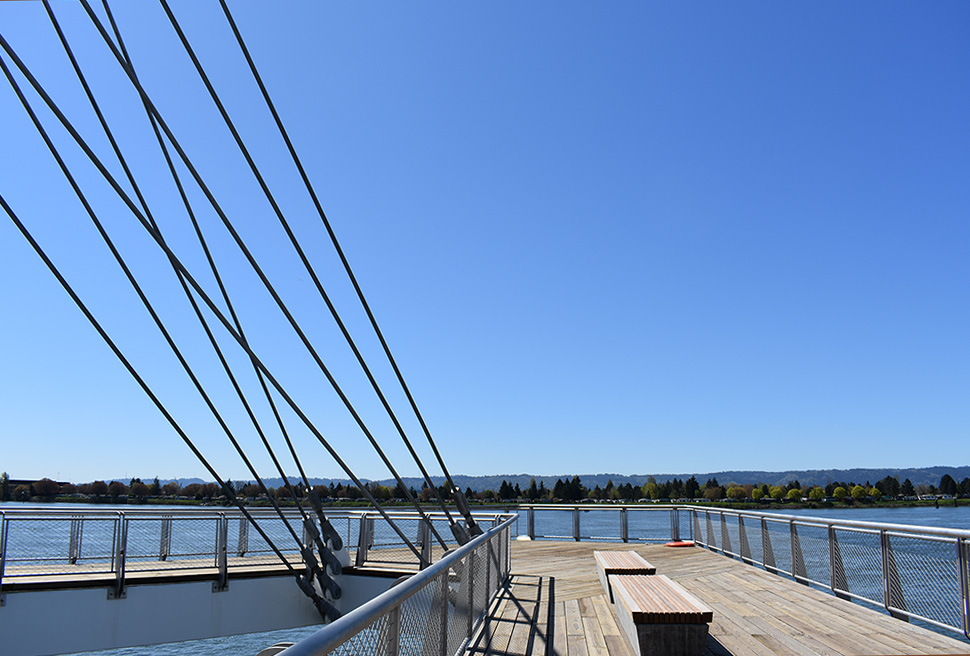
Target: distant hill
point(919, 476)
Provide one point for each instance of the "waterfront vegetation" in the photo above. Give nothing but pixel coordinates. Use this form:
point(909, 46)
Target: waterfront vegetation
point(886, 492)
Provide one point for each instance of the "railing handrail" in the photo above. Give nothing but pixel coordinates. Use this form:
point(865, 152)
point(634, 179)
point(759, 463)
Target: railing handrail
point(838, 523)
point(340, 631)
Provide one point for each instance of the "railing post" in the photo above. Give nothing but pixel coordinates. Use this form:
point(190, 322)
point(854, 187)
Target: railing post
point(698, 535)
point(530, 515)
point(392, 646)
point(424, 539)
point(222, 555)
point(74, 548)
point(165, 539)
point(624, 525)
point(711, 541)
point(470, 594)
point(242, 543)
point(3, 555)
point(675, 524)
point(443, 617)
point(767, 553)
point(963, 565)
point(363, 539)
point(744, 548)
point(725, 537)
point(576, 524)
point(488, 569)
point(891, 588)
point(798, 571)
point(838, 581)
point(118, 556)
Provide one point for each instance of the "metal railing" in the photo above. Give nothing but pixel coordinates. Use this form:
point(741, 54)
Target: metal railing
point(109, 546)
point(912, 572)
point(632, 523)
point(435, 612)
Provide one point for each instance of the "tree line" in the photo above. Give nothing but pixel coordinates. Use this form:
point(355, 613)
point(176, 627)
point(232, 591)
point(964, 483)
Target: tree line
point(567, 491)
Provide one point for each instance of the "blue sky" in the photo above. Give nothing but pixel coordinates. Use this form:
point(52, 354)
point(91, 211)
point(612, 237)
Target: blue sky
point(615, 237)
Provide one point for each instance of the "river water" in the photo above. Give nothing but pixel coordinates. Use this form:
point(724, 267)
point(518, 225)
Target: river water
point(649, 523)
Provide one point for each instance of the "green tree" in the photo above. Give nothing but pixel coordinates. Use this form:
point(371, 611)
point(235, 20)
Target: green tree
point(816, 493)
point(794, 494)
point(533, 492)
point(907, 489)
point(650, 490)
point(139, 490)
point(839, 493)
point(859, 493)
point(4, 487)
point(757, 494)
point(948, 485)
point(964, 488)
point(778, 492)
point(737, 493)
point(45, 487)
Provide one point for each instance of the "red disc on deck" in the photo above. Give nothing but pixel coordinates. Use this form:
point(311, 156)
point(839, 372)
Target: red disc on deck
point(680, 543)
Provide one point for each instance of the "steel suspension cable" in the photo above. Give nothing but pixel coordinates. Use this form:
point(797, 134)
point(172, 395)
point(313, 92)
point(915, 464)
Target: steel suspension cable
point(308, 266)
point(322, 605)
point(456, 491)
point(138, 290)
point(191, 279)
point(272, 108)
point(325, 525)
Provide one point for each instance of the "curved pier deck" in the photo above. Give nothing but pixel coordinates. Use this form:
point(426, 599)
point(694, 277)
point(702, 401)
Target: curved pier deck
point(555, 606)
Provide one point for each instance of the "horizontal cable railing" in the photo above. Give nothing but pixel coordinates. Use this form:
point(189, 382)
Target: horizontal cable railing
point(434, 612)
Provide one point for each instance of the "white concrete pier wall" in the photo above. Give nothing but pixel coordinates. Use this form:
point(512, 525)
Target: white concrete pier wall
point(39, 623)
point(60, 621)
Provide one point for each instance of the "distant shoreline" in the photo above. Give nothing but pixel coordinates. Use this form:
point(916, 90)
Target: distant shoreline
point(263, 503)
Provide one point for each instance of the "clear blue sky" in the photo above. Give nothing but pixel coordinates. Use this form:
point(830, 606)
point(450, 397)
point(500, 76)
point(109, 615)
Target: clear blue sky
point(600, 237)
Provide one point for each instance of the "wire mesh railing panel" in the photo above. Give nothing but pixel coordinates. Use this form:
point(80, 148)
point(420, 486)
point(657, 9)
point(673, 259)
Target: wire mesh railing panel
point(192, 538)
point(554, 524)
point(458, 608)
point(862, 560)
point(779, 539)
point(144, 544)
point(35, 546)
point(752, 531)
point(646, 525)
point(599, 524)
point(929, 577)
point(58, 545)
point(421, 621)
point(480, 591)
point(372, 641)
point(813, 541)
point(260, 552)
point(730, 535)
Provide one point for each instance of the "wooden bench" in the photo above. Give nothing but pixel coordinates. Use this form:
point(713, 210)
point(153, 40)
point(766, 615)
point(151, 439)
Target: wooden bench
point(620, 562)
point(660, 617)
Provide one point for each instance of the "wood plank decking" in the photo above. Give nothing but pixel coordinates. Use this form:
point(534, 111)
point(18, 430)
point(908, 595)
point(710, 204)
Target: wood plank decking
point(555, 606)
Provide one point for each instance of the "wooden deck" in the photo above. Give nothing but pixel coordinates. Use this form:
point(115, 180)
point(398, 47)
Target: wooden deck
point(555, 606)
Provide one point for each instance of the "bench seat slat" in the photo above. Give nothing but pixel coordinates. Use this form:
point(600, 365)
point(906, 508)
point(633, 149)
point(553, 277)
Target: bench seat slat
point(615, 562)
point(658, 600)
